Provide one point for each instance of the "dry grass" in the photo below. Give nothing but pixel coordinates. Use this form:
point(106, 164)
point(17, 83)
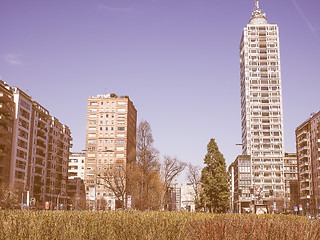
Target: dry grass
point(152, 225)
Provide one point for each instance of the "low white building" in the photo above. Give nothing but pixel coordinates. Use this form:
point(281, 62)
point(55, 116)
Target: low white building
point(187, 197)
point(182, 197)
point(76, 165)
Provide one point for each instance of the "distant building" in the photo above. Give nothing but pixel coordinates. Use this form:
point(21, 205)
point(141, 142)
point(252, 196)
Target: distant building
point(76, 167)
point(110, 141)
point(7, 110)
point(76, 194)
point(188, 197)
point(308, 154)
point(291, 177)
point(181, 197)
point(242, 184)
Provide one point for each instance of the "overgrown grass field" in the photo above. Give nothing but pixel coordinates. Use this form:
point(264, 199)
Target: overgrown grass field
point(153, 225)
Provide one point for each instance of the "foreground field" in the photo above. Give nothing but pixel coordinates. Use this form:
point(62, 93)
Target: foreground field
point(152, 225)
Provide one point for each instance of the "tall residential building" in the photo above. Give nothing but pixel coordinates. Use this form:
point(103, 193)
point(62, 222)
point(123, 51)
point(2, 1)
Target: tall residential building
point(308, 154)
point(40, 151)
point(110, 140)
point(261, 104)
point(7, 109)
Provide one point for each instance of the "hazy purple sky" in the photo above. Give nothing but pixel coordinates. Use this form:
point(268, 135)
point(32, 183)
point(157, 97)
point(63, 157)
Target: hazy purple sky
point(178, 60)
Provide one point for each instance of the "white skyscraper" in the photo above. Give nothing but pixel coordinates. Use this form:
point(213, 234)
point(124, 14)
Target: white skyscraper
point(261, 104)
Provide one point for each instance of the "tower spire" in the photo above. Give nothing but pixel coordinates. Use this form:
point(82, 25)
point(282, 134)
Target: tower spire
point(257, 5)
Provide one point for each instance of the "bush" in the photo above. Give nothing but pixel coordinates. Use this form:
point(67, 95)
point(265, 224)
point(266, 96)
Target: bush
point(152, 225)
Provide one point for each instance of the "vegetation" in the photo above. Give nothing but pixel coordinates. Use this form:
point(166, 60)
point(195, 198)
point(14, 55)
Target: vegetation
point(153, 225)
point(8, 198)
point(170, 169)
point(214, 180)
point(145, 181)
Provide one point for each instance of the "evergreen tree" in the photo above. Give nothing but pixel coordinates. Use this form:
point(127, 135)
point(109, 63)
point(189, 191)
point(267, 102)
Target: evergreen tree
point(214, 181)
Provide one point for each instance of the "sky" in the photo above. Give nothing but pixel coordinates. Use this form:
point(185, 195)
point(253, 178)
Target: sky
point(177, 60)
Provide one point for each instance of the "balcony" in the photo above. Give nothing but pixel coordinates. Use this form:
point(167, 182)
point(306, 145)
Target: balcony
point(4, 130)
point(41, 144)
point(303, 156)
point(40, 162)
point(304, 188)
point(41, 134)
point(4, 108)
point(5, 97)
point(3, 152)
point(303, 164)
point(6, 118)
point(5, 141)
point(40, 153)
point(43, 120)
point(303, 148)
point(304, 171)
point(301, 133)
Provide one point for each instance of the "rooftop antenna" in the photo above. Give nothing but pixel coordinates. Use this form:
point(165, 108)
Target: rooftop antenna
point(257, 5)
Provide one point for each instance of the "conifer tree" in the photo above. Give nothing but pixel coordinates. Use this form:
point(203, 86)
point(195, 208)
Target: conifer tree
point(214, 181)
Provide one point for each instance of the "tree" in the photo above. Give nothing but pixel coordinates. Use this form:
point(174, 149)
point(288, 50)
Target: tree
point(114, 179)
point(214, 195)
point(194, 175)
point(171, 168)
point(8, 198)
point(145, 172)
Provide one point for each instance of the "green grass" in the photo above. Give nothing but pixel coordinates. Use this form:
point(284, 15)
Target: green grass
point(153, 225)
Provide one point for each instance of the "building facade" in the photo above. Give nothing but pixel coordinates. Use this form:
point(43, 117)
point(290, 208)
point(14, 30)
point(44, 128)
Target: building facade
point(308, 155)
point(231, 187)
point(291, 178)
point(242, 197)
point(7, 110)
point(110, 141)
point(261, 105)
point(39, 152)
point(76, 194)
point(76, 165)
point(21, 149)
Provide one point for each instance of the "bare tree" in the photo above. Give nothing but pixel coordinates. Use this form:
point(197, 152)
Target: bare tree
point(8, 198)
point(146, 170)
point(171, 168)
point(114, 179)
point(194, 176)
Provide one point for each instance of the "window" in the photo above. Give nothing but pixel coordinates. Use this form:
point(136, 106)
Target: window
point(93, 116)
point(93, 103)
point(121, 128)
point(120, 141)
